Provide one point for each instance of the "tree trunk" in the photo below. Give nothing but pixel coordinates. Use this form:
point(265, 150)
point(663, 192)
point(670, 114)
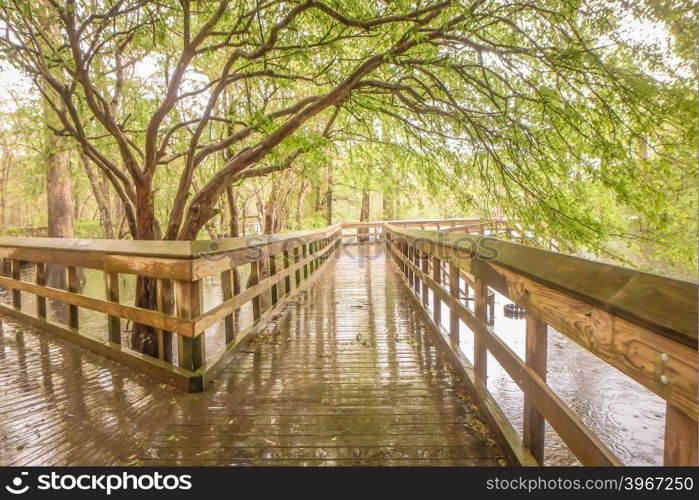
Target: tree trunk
point(316, 200)
point(329, 196)
point(59, 193)
point(364, 214)
point(389, 204)
point(299, 203)
point(7, 159)
point(234, 230)
point(144, 338)
point(101, 194)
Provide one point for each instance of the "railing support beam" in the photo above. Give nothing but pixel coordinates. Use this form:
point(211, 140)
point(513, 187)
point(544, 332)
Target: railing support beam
point(535, 357)
point(680, 438)
point(453, 314)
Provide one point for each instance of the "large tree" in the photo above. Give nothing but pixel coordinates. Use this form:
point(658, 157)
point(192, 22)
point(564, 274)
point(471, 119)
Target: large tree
point(523, 87)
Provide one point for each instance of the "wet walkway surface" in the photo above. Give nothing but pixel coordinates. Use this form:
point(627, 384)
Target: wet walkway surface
point(352, 376)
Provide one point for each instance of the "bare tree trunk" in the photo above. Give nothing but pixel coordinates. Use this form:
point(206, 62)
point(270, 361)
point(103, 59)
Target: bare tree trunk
point(329, 196)
point(234, 230)
point(299, 203)
point(59, 194)
point(316, 200)
point(389, 203)
point(101, 193)
point(7, 159)
point(144, 338)
point(364, 213)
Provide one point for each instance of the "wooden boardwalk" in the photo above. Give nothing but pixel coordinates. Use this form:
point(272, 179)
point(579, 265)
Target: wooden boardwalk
point(352, 376)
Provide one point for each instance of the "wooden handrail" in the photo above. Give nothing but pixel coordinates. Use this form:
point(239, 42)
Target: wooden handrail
point(666, 305)
point(10, 245)
point(642, 324)
point(412, 222)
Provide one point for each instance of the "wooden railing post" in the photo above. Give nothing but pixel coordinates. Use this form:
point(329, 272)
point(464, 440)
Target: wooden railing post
point(73, 287)
point(113, 322)
point(191, 351)
point(453, 314)
point(297, 259)
point(416, 277)
point(680, 438)
point(426, 271)
point(480, 310)
point(311, 264)
point(304, 254)
point(287, 280)
point(41, 280)
point(535, 357)
point(254, 280)
point(436, 301)
point(228, 293)
point(272, 271)
point(16, 294)
point(165, 304)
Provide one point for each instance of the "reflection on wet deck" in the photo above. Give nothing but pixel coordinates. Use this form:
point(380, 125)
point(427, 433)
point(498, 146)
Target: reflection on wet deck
point(350, 377)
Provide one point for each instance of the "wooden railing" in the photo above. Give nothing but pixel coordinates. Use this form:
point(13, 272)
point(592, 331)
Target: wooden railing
point(354, 233)
point(277, 267)
point(642, 324)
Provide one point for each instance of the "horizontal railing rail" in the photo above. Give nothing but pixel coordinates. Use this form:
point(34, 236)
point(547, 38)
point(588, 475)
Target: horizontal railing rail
point(642, 324)
point(277, 267)
point(354, 233)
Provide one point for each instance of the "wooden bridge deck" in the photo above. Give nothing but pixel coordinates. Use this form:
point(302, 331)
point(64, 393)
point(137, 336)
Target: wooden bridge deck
point(352, 376)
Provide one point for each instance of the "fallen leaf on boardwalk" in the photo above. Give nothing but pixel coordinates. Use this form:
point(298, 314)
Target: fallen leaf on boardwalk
point(174, 437)
point(135, 463)
point(231, 421)
point(334, 439)
point(270, 442)
point(132, 457)
point(173, 401)
point(502, 462)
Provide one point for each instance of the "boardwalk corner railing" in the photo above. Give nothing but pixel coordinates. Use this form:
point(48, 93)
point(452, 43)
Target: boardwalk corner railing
point(642, 324)
point(278, 266)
